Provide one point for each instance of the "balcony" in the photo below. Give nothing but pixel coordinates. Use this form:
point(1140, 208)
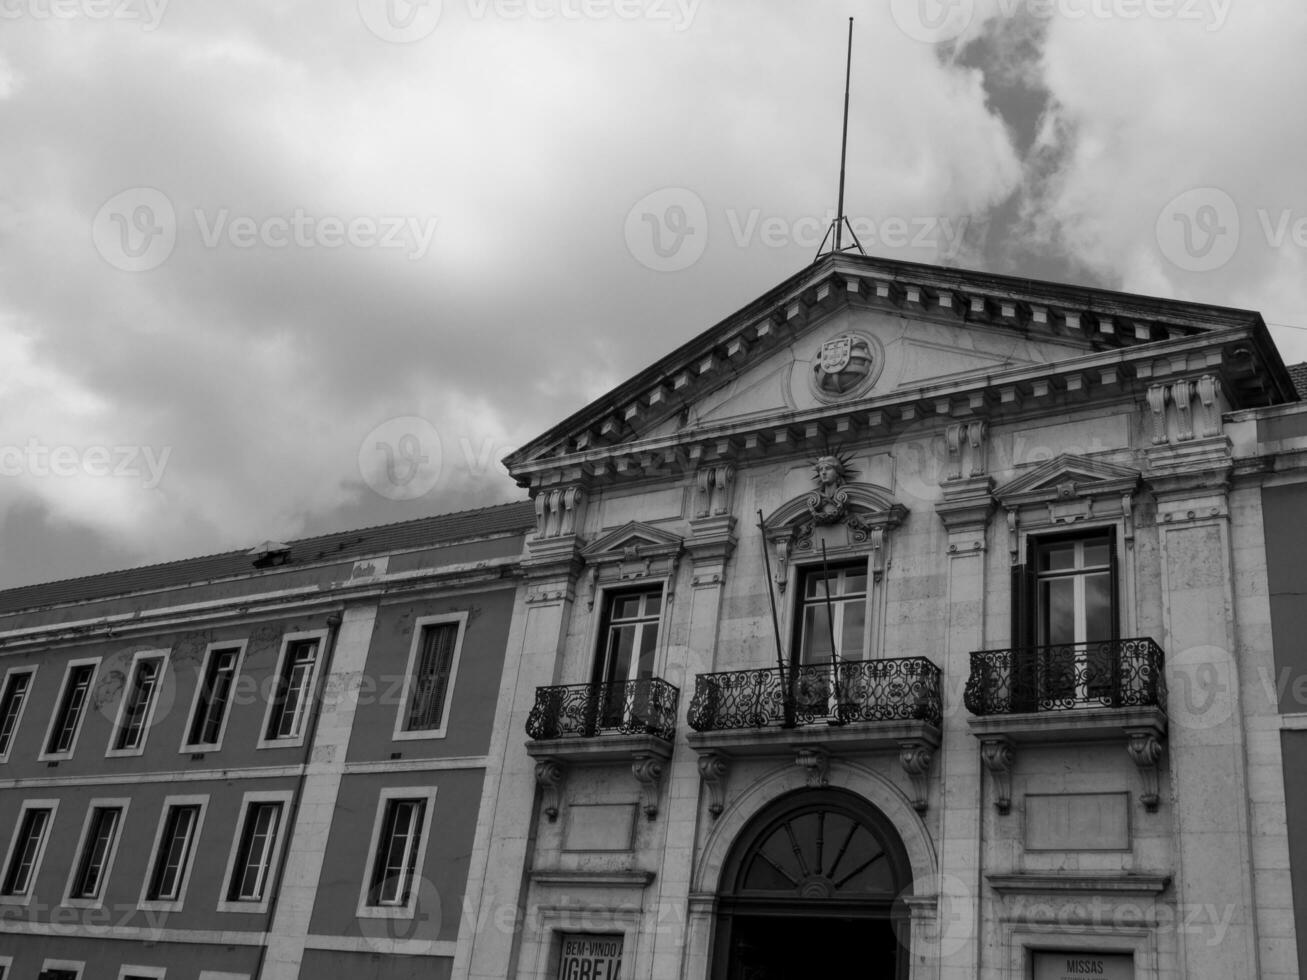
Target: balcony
point(585, 724)
point(815, 711)
point(1072, 677)
point(1108, 689)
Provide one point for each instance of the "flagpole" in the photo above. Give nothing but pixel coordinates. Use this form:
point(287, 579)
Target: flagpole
point(844, 142)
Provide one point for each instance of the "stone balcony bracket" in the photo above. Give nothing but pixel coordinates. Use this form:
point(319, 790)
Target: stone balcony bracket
point(646, 756)
point(1142, 730)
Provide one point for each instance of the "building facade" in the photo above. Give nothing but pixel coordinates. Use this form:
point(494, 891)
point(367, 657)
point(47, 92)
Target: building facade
point(918, 612)
point(253, 765)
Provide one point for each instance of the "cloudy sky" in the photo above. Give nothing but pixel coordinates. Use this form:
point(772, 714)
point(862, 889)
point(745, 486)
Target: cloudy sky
point(271, 268)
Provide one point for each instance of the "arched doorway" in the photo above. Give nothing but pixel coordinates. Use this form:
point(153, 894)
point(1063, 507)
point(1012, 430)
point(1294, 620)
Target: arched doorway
point(812, 881)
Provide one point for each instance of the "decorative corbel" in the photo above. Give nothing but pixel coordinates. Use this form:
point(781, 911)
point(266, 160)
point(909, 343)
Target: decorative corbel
point(815, 763)
point(953, 439)
point(977, 432)
point(1157, 405)
point(1128, 518)
point(713, 769)
point(1182, 394)
point(704, 481)
point(782, 557)
point(1145, 749)
point(876, 538)
point(1206, 387)
point(1013, 535)
point(915, 756)
point(592, 579)
point(723, 477)
point(550, 774)
point(648, 770)
point(999, 757)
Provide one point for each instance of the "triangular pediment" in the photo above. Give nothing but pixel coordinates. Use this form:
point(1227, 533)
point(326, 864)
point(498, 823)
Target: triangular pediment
point(883, 342)
point(633, 539)
point(1068, 474)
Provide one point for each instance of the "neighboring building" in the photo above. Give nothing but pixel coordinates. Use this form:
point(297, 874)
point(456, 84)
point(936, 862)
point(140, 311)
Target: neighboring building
point(1010, 717)
point(265, 764)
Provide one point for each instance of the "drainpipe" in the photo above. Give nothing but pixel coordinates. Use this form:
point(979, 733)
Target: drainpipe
point(292, 818)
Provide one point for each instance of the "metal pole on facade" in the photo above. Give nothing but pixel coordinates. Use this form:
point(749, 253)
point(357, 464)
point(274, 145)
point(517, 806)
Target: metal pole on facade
point(786, 693)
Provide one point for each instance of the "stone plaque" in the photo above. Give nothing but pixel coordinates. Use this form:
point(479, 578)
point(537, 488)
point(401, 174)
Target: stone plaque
point(1078, 822)
point(1077, 965)
point(599, 827)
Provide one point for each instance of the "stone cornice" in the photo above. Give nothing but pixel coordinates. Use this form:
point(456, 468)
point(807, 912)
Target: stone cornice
point(1027, 390)
point(1111, 324)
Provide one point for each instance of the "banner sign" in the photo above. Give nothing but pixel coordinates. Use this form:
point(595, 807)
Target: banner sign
point(587, 957)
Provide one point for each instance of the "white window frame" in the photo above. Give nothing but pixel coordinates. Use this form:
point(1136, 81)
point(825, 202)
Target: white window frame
point(163, 656)
point(401, 734)
point(53, 807)
point(45, 756)
point(173, 904)
point(76, 966)
point(406, 911)
point(153, 972)
point(262, 796)
point(72, 901)
point(6, 964)
point(187, 746)
point(29, 669)
point(310, 687)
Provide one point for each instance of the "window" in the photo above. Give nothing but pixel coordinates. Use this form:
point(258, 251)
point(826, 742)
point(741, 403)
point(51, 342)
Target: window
point(61, 970)
point(1065, 621)
point(13, 698)
point(174, 850)
point(629, 632)
point(832, 596)
point(142, 972)
point(293, 696)
point(27, 848)
point(399, 841)
point(99, 844)
point(67, 719)
point(429, 679)
point(212, 696)
point(137, 705)
point(255, 850)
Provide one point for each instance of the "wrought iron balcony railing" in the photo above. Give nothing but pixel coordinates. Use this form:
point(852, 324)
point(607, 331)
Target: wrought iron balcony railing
point(846, 692)
point(640, 707)
point(1103, 674)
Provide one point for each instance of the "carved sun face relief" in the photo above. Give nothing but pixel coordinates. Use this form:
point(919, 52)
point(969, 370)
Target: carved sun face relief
point(845, 366)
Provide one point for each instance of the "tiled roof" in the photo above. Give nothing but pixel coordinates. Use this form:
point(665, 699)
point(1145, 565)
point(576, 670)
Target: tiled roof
point(386, 538)
point(1298, 374)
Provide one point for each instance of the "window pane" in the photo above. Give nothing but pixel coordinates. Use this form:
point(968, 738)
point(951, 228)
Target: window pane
point(1098, 606)
point(215, 692)
point(396, 861)
point(1097, 553)
point(254, 858)
point(430, 683)
point(77, 685)
point(27, 847)
point(653, 602)
point(95, 855)
point(626, 607)
point(816, 634)
point(855, 616)
point(137, 707)
point(1057, 557)
point(10, 707)
point(291, 707)
point(174, 850)
point(1057, 610)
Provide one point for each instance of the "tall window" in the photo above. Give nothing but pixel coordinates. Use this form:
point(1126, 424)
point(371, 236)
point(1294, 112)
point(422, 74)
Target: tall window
point(72, 706)
point(253, 864)
point(835, 596)
point(629, 629)
point(12, 700)
point(1073, 590)
point(97, 851)
point(134, 717)
point(294, 694)
point(428, 683)
point(26, 851)
point(173, 856)
point(394, 864)
point(213, 696)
